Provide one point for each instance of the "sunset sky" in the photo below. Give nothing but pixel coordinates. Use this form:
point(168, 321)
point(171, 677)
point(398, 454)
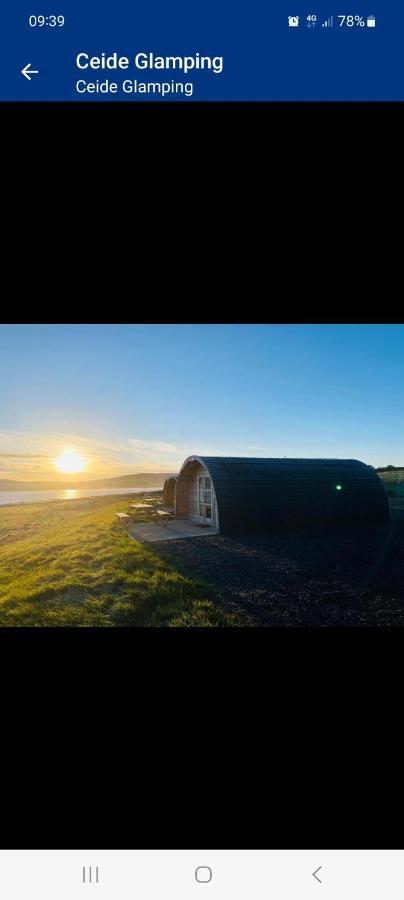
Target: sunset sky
point(133, 398)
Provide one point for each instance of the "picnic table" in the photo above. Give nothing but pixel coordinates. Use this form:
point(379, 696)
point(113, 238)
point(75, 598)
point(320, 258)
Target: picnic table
point(141, 506)
point(164, 516)
point(123, 518)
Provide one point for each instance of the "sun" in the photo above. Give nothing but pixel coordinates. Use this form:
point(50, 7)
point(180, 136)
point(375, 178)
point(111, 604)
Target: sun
point(70, 461)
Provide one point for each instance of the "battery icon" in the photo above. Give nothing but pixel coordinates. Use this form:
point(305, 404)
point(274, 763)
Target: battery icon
point(371, 22)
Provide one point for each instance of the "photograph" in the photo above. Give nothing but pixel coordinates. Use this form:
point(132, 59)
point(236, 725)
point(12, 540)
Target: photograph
point(200, 476)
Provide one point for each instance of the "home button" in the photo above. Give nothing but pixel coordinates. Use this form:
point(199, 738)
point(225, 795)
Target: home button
point(203, 874)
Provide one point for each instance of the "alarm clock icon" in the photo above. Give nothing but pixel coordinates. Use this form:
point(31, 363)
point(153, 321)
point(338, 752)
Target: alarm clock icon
point(293, 21)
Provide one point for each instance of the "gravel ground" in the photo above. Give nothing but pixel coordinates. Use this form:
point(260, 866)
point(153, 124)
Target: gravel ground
point(333, 578)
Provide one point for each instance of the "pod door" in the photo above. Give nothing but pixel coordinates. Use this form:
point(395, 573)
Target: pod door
point(206, 499)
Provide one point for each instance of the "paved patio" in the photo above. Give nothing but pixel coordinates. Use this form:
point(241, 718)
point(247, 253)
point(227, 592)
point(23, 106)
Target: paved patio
point(149, 532)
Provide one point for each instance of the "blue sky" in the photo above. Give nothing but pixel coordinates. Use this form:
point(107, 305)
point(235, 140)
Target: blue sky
point(142, 398)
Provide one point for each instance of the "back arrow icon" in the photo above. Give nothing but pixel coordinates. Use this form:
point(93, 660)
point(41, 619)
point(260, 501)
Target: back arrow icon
point(314, 874)
point(27, 71)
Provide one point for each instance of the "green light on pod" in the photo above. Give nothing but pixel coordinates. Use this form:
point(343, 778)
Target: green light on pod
point(338, 487)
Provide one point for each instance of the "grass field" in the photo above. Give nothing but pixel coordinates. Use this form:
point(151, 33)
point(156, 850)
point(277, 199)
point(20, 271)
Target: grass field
point(393, 481)
point(70, 563)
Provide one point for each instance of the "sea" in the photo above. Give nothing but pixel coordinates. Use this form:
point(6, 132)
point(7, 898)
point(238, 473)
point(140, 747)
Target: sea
point(11, 497)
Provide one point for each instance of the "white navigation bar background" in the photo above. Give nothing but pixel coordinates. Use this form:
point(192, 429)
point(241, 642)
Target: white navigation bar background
point(169, 874)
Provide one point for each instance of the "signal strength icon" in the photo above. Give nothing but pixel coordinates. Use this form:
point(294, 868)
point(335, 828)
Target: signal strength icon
point(329, 23)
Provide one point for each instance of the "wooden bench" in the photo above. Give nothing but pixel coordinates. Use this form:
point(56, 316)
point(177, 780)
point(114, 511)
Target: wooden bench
point(123, 518)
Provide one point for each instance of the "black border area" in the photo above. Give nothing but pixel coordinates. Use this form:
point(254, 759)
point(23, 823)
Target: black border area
point(228, 738)
point(263, 177)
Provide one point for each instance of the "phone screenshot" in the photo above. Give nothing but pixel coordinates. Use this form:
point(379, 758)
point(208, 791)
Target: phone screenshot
point(202, 51)
point(202, 476)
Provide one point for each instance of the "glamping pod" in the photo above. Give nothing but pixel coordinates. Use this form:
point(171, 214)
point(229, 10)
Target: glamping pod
point(238, 494)
point(169, 490)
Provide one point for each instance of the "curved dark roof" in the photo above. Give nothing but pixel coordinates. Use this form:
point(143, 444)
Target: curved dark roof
point(254, 493)
point(169, 488)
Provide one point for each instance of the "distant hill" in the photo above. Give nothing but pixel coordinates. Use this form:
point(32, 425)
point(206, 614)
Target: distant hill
point(141, 480)
point(154, 479)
